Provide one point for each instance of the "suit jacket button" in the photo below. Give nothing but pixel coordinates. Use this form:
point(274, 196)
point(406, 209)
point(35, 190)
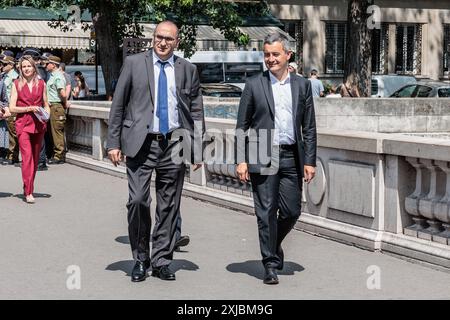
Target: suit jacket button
point(148, 126)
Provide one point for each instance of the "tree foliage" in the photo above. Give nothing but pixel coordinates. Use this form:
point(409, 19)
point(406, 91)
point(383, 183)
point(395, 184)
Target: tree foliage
point(114, 20)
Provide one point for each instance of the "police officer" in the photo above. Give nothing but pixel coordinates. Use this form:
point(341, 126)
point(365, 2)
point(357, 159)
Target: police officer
point(56, 94)
point(10, 74)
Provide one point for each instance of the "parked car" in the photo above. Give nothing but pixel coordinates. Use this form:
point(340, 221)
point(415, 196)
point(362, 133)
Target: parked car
point(221, 90)
point(424, 89)
point(385, 85)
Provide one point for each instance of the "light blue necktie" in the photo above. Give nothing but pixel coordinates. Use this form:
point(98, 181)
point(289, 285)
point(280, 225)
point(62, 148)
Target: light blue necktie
point(163, 112)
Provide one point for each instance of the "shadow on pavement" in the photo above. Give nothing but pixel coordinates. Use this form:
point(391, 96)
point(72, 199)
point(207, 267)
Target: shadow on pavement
point(123, 239)
point(36, 195)
point(124, 265)
point(5, 194)
point(255, 268)
point(127, 265)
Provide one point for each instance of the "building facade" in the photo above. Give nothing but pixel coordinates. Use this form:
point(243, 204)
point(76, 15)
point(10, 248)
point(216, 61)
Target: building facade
point(410, 37)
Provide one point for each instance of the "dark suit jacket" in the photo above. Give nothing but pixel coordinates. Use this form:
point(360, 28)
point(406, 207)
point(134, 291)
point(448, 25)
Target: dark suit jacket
point(132, 108)
point(257, 111)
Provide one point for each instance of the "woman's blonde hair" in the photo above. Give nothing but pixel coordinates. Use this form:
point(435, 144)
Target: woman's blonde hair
point(22, 80)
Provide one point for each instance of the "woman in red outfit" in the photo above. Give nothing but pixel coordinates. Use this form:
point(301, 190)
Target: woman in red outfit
point(28, 95)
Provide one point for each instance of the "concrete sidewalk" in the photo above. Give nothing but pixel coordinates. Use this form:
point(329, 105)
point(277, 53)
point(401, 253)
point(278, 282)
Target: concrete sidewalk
point(79, 219)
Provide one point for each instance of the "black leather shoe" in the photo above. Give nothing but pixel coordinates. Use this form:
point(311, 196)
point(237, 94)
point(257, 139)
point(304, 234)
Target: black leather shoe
point(163, 273)
point(181, 242)
point(270, 276)
point(280, 253)
point(139, 272)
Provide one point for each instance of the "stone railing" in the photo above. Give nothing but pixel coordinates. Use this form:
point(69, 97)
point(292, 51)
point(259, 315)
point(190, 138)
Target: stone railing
point(380, 191)
point(429, 204)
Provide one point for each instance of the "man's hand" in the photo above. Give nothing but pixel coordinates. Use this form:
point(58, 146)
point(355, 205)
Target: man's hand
point(242, 172)
point(115, 156)
point(196, 166)
point(308, 173)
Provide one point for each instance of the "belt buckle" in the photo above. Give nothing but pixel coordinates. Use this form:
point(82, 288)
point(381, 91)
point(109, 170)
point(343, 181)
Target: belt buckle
point(159, 137)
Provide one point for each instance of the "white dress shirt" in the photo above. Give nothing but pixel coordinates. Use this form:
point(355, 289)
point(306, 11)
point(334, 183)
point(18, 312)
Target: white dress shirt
point(171, 94)
point(284, 120)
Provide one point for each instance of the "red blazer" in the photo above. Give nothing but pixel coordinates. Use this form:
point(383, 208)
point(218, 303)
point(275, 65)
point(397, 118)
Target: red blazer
point(27, 122)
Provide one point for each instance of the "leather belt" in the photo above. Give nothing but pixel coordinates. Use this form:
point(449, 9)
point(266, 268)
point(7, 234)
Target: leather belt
point(159, 136)
point(287, 146)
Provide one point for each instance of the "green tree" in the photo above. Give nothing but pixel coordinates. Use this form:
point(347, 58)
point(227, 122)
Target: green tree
point(114, 20)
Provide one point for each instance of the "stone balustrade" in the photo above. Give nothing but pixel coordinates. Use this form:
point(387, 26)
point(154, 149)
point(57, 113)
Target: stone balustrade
point(380, 191)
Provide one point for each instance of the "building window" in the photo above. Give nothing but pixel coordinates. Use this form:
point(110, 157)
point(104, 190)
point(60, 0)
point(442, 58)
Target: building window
point(380, 48)
point(336, 38)
point(295, 29)
point(408, 58)
point(446, 47)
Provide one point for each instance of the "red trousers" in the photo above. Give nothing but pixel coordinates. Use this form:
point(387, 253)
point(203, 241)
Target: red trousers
point(30, 147)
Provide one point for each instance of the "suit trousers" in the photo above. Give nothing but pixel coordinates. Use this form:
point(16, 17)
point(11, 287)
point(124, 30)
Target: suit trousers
point(154, 156)
point(30, 146)
point(277, 199)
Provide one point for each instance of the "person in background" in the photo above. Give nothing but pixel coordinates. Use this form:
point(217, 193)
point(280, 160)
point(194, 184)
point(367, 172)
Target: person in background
point(28, 95)
point(9, 75)
point(62, 68)
point(4, 114)
point(81, 89)
point(56, 93)
point(334, 92)
point(47, 143)
point(316, 85)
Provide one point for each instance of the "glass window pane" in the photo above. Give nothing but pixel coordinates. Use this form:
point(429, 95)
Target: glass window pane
point(444, 92)
point(238, 72)
point(423, 91)
point(210, 72)
point(406, 92)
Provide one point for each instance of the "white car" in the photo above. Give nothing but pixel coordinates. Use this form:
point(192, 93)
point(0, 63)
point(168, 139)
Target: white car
point(384, 86)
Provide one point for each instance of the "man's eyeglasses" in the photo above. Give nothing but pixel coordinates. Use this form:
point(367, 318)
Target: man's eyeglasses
point(160, 38)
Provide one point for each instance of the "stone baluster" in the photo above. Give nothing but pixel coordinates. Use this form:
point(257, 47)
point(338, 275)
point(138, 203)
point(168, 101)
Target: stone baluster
point(442, 207)
point(412, 201)
point(427, 204)
point(214, 179)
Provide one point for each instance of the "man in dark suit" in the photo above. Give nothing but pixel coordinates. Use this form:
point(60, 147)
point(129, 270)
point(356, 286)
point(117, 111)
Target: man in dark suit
point(276, 120)
point(156, 97)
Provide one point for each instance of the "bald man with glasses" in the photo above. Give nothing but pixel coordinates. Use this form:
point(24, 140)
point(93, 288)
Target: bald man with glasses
point(156, 97)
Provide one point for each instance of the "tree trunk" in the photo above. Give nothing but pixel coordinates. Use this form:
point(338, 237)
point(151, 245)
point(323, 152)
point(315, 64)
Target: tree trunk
point(108, 47)
point(358, 57)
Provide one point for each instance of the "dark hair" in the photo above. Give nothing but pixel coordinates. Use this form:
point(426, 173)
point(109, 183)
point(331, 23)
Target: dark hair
point(77, 73)
point(314, 72)
point(83, 82)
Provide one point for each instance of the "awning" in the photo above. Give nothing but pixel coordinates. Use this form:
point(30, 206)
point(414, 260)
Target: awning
point(209, 38)
point(37, 33)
